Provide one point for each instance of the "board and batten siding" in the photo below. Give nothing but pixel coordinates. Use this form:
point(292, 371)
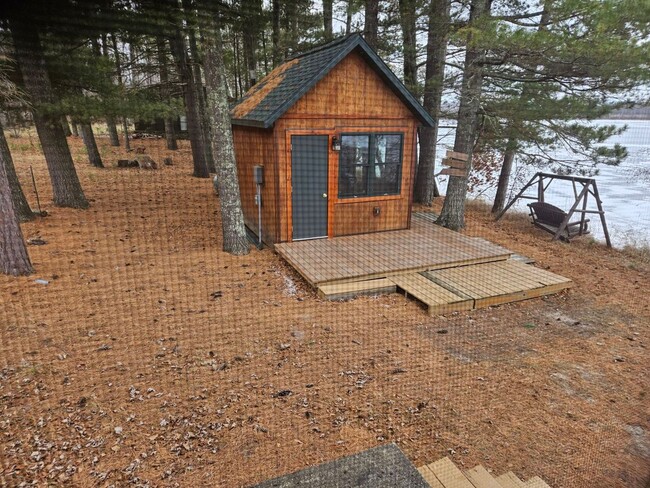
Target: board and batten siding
point(256, 147)
point(351, 98)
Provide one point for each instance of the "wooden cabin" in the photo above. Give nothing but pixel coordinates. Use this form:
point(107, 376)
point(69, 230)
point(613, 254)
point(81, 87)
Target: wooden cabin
point(335, 133)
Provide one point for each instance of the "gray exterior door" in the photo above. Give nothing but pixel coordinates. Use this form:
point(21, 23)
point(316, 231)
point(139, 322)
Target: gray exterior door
point(309, 156)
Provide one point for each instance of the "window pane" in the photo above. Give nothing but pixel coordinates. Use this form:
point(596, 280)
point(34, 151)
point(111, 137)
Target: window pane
point(353, 180)
point(385, 179)
point(354, 149)
point(388, 149)
point(353, 165)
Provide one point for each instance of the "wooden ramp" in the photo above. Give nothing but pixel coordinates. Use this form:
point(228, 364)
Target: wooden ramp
point(445, 474)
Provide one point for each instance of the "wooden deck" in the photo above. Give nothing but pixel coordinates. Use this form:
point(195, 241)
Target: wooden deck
point(445, 270)
point(424, 247)
point(445, 474)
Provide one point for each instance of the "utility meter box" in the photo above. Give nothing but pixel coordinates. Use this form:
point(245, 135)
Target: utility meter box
point(258, 175)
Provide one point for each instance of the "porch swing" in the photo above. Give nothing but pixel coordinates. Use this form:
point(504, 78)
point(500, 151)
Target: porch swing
point(555, 220)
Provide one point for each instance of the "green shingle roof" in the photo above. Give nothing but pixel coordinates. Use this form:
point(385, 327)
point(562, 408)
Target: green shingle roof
point(285, 85)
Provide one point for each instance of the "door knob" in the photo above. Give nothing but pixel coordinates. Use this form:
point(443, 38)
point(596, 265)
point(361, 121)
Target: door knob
point(324, 195)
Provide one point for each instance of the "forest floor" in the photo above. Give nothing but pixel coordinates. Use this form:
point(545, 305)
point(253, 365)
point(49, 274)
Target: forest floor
point(152, 358)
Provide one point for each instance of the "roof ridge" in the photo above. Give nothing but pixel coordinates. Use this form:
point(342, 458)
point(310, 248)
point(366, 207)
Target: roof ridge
point(328, 45)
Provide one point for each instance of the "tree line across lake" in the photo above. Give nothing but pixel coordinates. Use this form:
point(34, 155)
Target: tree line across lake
point(520, 74)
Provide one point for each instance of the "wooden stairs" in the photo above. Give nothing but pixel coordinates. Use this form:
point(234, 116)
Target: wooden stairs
point(445, 474)
point(460, 288)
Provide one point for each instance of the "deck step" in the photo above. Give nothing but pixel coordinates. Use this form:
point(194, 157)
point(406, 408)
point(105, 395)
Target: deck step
point(350, 290)
point(449, 475)
point(430, 477)
point(435, 297)
point(510, 480)
point(536, 482)
point(499, 282)
point(480, 478)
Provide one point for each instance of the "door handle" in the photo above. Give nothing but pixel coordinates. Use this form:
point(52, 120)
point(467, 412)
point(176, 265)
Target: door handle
point(324, 195)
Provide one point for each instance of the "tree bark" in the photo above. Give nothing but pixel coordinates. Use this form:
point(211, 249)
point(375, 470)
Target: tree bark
point(21, 206)
point(112, 131)
point(407, 18)
point(200, 97)
point(327, 19)
point(453, 209)
point(348, 17)
point(251, 17)
point(371, 23)
point(65, 126)
point(120, 82)
point(110, 120)
point(88, 137)
point(275, 34)
point(504, 179)
point(66, 188)
point(194, 129)
point(75, 129)
point(170, 134)
point(232, 217)
point(425, 183)
point(14, 259)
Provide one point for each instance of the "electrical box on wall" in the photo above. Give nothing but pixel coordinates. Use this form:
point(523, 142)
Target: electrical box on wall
point(258, 175)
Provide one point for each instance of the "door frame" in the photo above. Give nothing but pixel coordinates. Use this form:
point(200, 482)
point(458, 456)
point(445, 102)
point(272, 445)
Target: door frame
point(332, 182)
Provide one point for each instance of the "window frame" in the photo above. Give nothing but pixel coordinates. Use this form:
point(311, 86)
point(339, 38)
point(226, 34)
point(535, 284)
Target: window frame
point(371, 166)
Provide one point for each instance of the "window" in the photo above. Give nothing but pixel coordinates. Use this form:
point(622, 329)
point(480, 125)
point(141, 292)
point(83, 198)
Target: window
point(370, 165)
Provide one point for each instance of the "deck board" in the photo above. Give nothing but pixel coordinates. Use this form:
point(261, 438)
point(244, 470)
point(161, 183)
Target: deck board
point(425, 246)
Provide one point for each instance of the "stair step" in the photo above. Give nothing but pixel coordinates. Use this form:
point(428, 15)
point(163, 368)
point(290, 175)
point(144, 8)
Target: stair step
point(434, 296)
point(449, 475)
point(536, 482)
point(510, 480)
point(480, 478)
point(350, 290)
point(430, 477)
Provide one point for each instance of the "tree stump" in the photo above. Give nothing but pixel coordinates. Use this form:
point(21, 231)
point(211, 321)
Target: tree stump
point(145, 162)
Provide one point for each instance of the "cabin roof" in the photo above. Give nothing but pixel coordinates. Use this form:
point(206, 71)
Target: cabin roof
point(276, 93)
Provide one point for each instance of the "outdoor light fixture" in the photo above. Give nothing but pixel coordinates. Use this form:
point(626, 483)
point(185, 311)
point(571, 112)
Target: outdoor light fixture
point(336, 144)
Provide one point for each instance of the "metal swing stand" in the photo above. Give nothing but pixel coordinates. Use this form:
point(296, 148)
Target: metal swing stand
point(554, 220)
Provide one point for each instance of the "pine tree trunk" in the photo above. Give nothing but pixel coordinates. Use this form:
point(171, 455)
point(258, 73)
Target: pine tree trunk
point(348, 16)
point(200, 96)
point(14, 259)
point(88, 137)
point(66, 189)
point(170, 134)
point(504, 180)
point(120, 82)
point(65, 126)
point(327, 19)
point(453, 209)
point(408, 17)
point(425, 183)
point(252, 14)
point(125, 131)
point(110, 120)
point(232, 217)
point(75, 129)
point(275, 34)
point(21, 206)
point(371, 23)
point(179, 51)
point(112, 131)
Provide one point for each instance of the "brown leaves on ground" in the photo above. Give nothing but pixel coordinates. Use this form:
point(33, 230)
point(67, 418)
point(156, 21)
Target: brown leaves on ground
point(152, 358)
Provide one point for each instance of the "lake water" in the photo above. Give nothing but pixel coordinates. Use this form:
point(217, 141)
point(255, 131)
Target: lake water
point(624, 189)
